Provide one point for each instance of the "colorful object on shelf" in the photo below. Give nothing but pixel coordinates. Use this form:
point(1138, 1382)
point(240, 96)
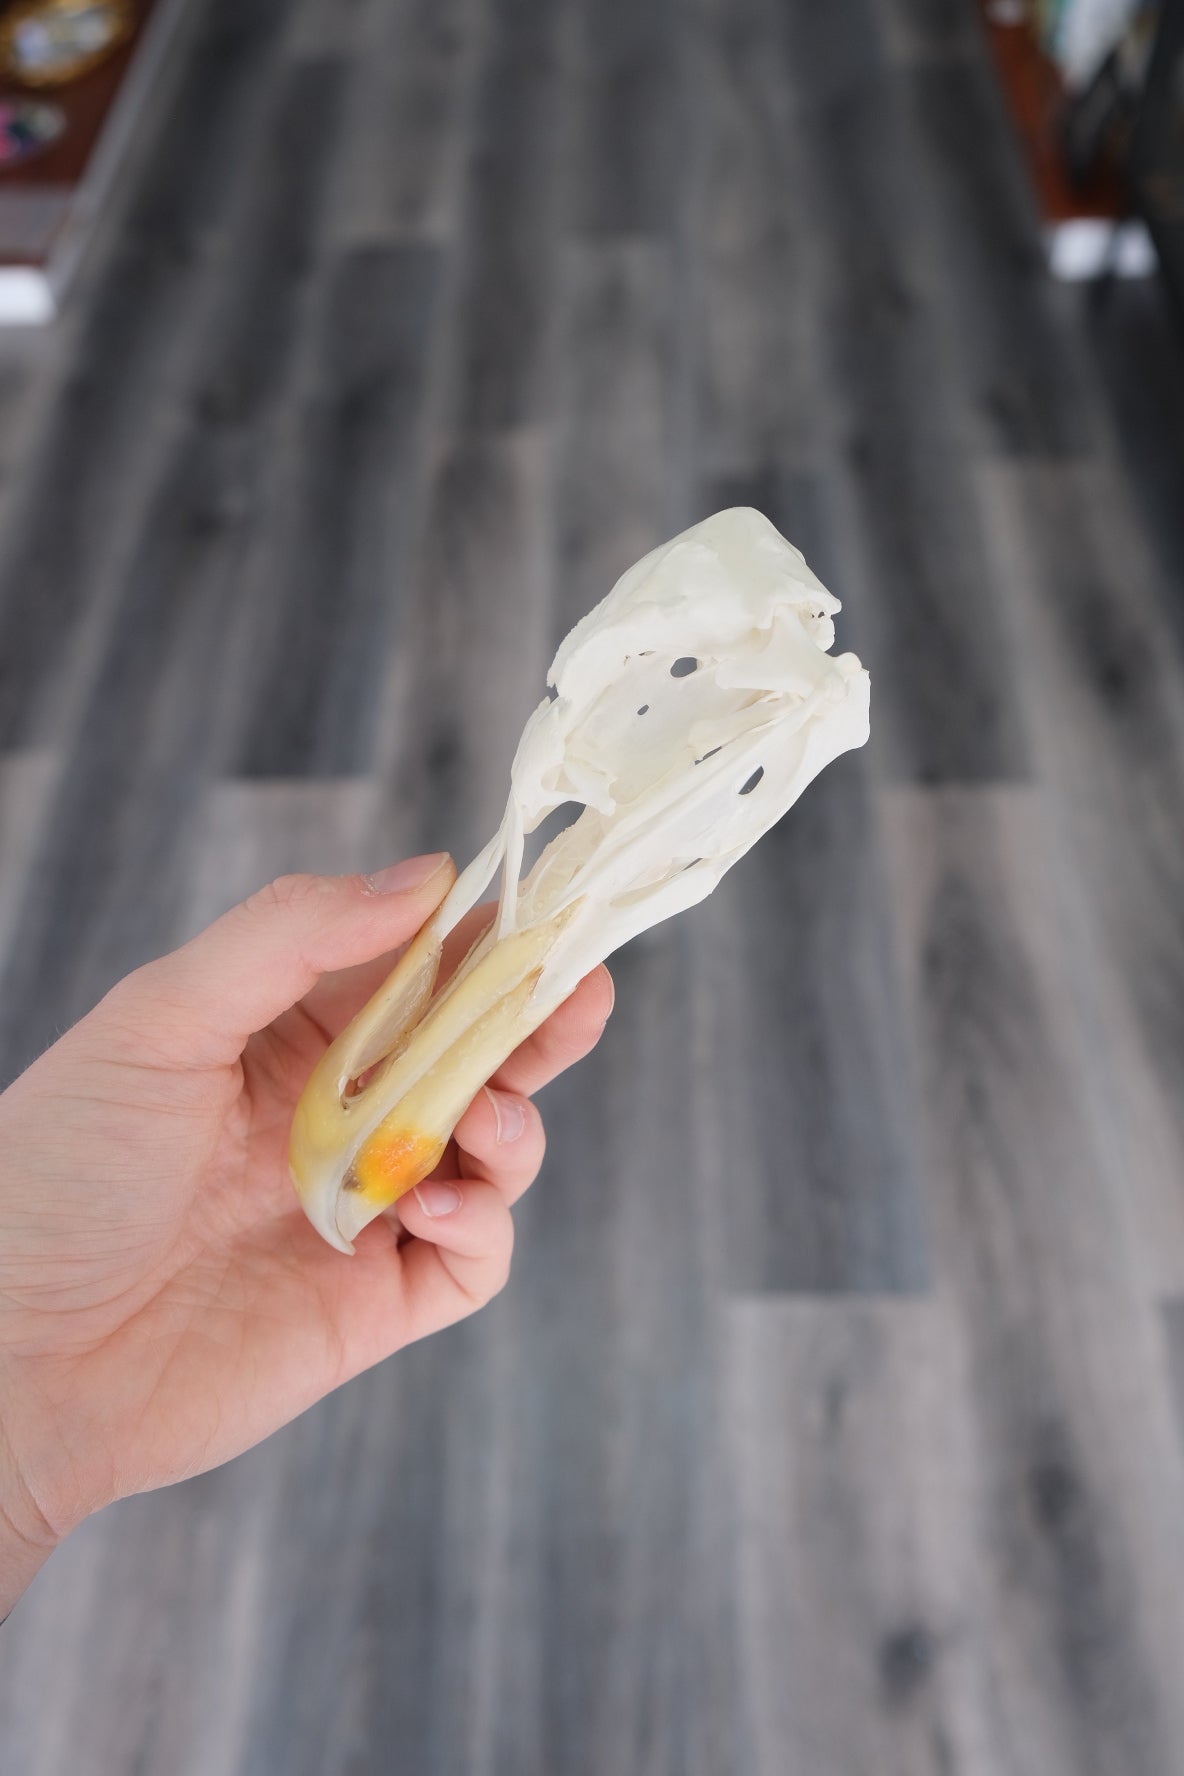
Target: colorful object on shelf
point(27, 128)
point(51, 42)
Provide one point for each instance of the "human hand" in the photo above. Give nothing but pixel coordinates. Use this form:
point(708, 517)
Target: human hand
point(164, 1303)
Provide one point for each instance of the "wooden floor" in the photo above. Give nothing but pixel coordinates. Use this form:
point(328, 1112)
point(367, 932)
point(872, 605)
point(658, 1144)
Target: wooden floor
point(832, 1422)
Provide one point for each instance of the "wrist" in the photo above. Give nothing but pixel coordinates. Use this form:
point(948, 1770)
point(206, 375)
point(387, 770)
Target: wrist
point(27, 1537)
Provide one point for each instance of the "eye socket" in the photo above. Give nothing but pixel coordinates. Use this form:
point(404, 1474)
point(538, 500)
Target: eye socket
point(684, 667)
point(549, 828)
point(643, 709)
point(708, 755)
point(747, 788)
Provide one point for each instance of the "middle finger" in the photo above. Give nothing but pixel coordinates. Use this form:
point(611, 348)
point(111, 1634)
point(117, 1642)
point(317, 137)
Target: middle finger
point(500, 1139)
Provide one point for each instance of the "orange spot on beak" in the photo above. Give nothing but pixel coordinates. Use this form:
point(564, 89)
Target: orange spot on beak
point(393, 1161)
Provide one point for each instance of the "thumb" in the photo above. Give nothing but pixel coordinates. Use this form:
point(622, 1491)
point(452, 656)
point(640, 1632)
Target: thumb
point(261, 957)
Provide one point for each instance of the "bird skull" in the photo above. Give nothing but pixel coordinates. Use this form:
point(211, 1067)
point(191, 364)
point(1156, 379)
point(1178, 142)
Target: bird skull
point(685, 714)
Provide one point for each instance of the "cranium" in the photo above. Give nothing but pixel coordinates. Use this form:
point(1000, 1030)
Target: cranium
point(684, 714)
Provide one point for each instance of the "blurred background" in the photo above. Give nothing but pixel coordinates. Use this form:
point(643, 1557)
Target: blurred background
point(831, 1421)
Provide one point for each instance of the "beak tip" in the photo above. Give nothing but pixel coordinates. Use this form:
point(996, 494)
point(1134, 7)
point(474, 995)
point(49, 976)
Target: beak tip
point(320, 1208)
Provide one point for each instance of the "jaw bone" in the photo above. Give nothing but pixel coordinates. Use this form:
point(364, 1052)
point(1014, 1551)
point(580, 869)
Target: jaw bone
point(686, 713)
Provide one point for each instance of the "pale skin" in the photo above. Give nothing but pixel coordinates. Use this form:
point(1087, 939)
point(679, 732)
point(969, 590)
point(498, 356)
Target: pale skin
point(164, 1303)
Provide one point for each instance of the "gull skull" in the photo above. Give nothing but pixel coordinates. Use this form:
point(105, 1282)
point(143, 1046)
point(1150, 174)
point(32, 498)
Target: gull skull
point(685, 714)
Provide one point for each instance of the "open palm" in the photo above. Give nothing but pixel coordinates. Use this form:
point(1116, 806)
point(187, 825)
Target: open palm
point(164, 1303)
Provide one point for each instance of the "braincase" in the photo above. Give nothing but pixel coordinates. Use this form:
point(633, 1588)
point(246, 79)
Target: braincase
point(704, 639)
point(715, 590)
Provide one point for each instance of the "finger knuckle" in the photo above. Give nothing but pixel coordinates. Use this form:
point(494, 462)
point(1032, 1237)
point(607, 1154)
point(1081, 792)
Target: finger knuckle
point(480, 1282)
point(126, 993)
point(502, 1255)
point(127, 1008)
point(284, 893)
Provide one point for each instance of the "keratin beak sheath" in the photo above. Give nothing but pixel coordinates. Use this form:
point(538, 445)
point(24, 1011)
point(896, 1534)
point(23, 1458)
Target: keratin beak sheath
point(349, 1160)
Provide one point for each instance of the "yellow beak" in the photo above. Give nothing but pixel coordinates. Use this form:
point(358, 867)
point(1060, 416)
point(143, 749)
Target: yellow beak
point(381, 1104)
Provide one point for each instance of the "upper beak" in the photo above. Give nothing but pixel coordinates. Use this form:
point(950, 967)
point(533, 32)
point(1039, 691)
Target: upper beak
point(381, 1104)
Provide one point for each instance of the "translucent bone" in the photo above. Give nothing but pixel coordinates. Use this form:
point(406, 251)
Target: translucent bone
point(685, 715)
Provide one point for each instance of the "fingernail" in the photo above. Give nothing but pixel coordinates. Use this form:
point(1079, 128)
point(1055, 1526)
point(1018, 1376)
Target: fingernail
point(401, 878)
point(510, 1114)
point(438, 1199)
point(612, 993)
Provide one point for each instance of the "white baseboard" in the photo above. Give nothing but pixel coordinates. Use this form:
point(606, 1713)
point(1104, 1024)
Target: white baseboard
point(1089, 247)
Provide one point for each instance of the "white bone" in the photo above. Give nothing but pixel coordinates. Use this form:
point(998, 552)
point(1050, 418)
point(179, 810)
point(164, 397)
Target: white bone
point(706, 664)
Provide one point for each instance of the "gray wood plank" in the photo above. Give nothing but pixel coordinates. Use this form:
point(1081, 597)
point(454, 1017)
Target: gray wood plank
point(802, 1109)
point(692, 77)
point(1131, 338)
point(753, 233)
point(624, 101)
point(27, 360)
point(118, 814)
point(836, 54)
point(140, 304)
point(891, 424)
point(1016, 344)
point(924, 610)
point(246, 834)
point(1032, 1251)
point(324, 28)
point(853, 1473)
point(502, 362)
point(28, 781)
point(406, 134)
point(615, 1256)
point(121, 817)
point(612, 424)
point(1105, 698)
point(1173, 1329)
point(190, 1555)
point(929, 30)
point(470, 648)
point(345, 1675)
point(877, 263)
point(46, 1653)
point(273, 247)
point(327, 604)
